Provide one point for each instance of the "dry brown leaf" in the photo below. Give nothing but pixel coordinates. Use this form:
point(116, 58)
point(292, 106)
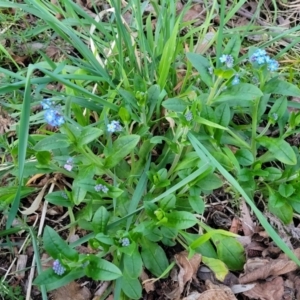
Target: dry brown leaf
point(220, 292)
point(187, 269)
point(194, 13)
point(148, 285)
point(72, 291)
point(269, 290)
point(265, 268)
point(247, 223)
point(235, 225)
point(21, 265)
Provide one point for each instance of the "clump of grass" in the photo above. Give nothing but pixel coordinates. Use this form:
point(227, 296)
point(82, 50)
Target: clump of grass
point(140, 143)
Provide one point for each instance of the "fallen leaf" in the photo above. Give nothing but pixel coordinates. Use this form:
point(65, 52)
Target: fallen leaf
point(72, 291)
point(21, 265)
point(247, 223)
point(187, 269)
point(148, 285)
point(220, 292)
point(269, 290)
point(266, 268)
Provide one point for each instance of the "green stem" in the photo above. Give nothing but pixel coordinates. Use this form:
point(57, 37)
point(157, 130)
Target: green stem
point(238, 139)
point(264, 130)
point(254, 126)
point(90, 155)
point(213, 91)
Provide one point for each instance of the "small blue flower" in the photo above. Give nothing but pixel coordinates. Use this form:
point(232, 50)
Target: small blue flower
point(114, 126)
point(227, 59)
point(125, 242)
point(69, 164)
point(47, 103)
point(189, 116)
point(58, 268)
point(53, 114)
point(260, 52)
point(273, 65)
point(260, 56)
point(64, 195)
point(275, 116)
point(236, 80)
point(53, 117)
point(102, 188)
point(260, 60)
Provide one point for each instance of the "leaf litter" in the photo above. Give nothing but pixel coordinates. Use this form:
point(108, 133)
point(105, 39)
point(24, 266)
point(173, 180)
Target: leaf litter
point(269, 278)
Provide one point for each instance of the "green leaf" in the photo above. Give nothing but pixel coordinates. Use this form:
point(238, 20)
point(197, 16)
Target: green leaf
point(175, 104)
point(197, 204)
point(224, 73)
point(206, 248)
point(54, 141)
point(223, 159)
point(86, 173)
point(278, 109)
point(180, 219)
point(280, 207)
point(100, 220)
point(54, 281)
point(233, 46)
point(100, 269)
point(168, 202)
point(57, 198)
point(189, 160)
point(131, 287)
point(217, 266)
point(133, 264)
point(286, 190)
point(202, 65)
point(154, 258)
point(195, 200)
point(276, 86)
point(124, 115)
point(230, 251)
point(43, 157)
point(88, 135)
point(56, 246)
point(222, 114)
point(121, 148)
point(7, 194)
point(280, 149)
point(205, 155)
point(274, 174)
point(210, 182)
point(240, 93)
point(244, 157)
point(167, 57)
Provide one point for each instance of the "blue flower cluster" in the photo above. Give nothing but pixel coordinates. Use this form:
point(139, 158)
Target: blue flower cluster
point(227, 59)
point(69, 164)
point(53, 115)
point(58, 268)
point(261, 57)
point(125, 242)
point(102, 188)
point(189, 116)
point(114, 126)
point(236, 80)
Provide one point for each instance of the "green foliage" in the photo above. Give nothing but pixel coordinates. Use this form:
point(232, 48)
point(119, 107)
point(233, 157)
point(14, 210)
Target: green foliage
point(141, 145)
point(8, 292)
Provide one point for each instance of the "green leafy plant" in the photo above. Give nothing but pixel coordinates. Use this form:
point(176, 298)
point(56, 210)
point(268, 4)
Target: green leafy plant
point(7, 292)
point(142, 147)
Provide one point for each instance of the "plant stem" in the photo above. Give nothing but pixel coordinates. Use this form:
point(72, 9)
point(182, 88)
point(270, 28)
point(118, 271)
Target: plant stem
point(213, 91)
point(254, 125)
